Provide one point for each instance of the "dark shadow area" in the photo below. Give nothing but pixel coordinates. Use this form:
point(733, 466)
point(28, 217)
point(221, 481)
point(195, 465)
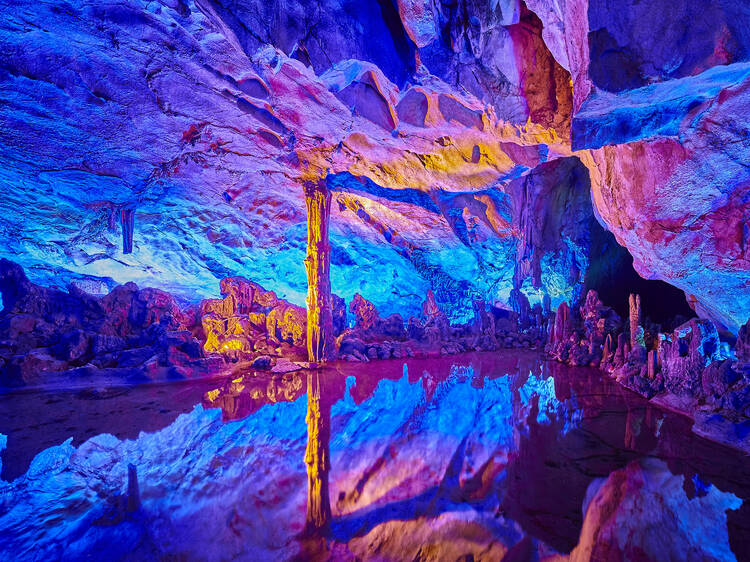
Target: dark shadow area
point(548, 478)
point(34, 421)
point(325, 35)
point(633, 43)
point(613, 276)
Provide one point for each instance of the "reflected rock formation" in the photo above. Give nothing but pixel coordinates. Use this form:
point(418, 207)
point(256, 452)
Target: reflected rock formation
point(642, 512)
point(435, 458)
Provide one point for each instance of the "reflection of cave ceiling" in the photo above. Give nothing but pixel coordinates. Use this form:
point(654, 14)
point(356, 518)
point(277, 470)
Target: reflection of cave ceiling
point(445, 128)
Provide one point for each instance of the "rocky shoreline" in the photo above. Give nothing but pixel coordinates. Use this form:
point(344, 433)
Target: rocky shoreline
point(688, 370)
point(132, 336)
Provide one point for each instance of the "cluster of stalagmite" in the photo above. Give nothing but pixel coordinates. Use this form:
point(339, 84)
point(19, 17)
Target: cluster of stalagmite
point(249, 322)
point(691, 361)
point(253, 324)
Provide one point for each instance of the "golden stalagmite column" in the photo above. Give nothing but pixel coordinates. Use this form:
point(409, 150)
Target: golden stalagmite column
point(317, 456)
point(320, 341)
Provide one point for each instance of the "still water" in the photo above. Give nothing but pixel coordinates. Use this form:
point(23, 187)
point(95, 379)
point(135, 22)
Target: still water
point(473, 457)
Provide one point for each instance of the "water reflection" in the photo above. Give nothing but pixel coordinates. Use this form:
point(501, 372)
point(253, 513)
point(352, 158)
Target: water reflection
point(485, 455)
point(519, 442)
point(317, 454)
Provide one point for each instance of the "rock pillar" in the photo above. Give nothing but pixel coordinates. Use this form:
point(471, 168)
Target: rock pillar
point(607, 352)
point(320, 341)
point(562, 322)
point(317, 456)
point(636, 336)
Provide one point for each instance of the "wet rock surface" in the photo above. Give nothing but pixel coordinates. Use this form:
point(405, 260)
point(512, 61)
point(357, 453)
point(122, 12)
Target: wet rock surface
point(446, 129)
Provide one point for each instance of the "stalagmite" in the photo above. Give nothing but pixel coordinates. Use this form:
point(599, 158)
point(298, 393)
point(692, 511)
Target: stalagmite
point(546, 304)
point(520, 305)
point(317, 456)
point(653, 363)
point(562, 322)
point(607, 351)
point(127, 221)
point(636, 332)
point(320, 342)
point(621, 353)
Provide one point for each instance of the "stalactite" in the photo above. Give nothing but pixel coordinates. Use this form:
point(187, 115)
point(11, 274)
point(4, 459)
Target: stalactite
point(127, 220)
point(133, 495)
point(317, 456)
point(320, 343)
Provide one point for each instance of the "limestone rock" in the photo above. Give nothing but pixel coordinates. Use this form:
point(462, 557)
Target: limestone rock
point(691, 348)
point(365, 313)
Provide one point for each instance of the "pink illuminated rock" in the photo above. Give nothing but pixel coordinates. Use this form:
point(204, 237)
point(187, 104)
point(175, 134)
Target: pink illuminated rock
point(643, 512)
point(419, 21)
point(365, 313)
point(679, 203)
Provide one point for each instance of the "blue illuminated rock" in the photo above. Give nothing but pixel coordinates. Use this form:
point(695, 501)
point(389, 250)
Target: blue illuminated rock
point(174, 128)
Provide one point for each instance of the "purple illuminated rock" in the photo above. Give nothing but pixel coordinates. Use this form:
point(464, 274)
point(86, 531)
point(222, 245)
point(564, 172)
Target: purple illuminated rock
point(51, 332)
point(742, 347)
point(686, 353)
point(462, 116)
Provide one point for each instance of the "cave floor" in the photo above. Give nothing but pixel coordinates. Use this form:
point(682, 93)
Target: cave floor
point(476, 453)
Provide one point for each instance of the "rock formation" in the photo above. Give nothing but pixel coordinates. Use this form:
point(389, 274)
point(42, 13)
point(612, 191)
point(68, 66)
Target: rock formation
point(636, 330)
point(378, 181)
point(690, 366)
point(481, 131)
point(320, 347)
point(250, 322)
point(137, 335)
point(129, 335)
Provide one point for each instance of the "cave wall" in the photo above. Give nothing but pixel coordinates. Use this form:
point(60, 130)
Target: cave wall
point(433, 123)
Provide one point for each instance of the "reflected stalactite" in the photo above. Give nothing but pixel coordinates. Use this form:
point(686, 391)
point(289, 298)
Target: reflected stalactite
point(127, 221)
point(317, 455)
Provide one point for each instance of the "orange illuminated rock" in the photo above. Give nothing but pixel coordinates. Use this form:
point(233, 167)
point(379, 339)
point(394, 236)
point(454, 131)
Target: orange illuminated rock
point(287, 323)
point(319, 319)
point(364, 312)
point(249, 320)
